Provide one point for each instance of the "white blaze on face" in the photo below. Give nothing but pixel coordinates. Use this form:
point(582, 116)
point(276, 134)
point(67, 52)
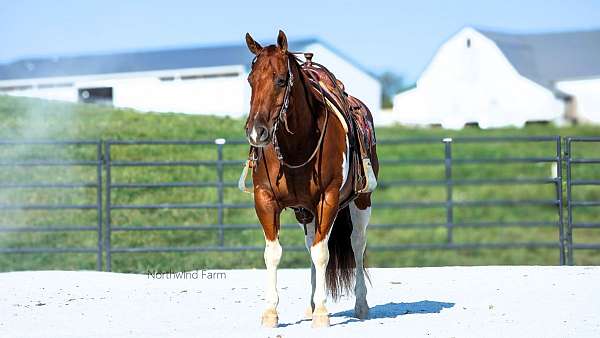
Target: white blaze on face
point(254, 135)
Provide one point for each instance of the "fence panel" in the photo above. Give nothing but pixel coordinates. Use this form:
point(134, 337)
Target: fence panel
point(23, 179)
point(450, 203)
point(124, 202)
point(580, 162)
point(553, 146)
point(220, 206)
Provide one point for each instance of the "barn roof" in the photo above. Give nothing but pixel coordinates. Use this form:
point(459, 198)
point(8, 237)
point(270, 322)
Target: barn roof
point(550, 57)
point(194, 57)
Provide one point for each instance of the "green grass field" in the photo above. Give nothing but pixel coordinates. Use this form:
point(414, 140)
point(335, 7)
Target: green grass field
point(37, 119)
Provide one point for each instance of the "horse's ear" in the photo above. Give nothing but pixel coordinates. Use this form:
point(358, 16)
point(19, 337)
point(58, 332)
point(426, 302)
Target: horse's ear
point(282, 41)
point(253, 46)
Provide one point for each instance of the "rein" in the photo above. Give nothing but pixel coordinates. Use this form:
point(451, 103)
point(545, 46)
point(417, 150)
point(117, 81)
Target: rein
point(282, 117)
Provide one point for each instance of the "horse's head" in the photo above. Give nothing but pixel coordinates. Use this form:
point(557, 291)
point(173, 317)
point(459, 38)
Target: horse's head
point(270, 79)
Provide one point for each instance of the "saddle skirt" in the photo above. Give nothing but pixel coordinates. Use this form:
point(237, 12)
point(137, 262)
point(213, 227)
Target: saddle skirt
point(354, 116)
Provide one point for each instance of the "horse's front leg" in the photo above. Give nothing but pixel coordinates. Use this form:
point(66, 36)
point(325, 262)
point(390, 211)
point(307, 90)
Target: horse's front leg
point(268, 214)
point(319, 252)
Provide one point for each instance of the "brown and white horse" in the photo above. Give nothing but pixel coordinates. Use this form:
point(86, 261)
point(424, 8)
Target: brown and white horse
point(310, 174)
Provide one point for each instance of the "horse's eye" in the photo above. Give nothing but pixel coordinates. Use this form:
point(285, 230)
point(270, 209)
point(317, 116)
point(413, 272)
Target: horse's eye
point(280, 82)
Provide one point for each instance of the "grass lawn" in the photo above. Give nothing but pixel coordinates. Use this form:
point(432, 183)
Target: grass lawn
point(37, 119)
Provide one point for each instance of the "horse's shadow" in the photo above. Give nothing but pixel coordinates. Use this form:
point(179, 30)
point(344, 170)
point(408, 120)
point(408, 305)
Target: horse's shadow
point(393, 310)
point(389, 310)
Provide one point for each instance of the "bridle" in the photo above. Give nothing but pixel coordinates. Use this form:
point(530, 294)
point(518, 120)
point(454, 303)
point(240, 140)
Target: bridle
point(282, 118)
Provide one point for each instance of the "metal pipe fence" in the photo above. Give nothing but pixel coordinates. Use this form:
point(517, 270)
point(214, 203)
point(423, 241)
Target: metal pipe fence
point(574, 161)
point(450, 183)
point(94, 147)
point(106, 206)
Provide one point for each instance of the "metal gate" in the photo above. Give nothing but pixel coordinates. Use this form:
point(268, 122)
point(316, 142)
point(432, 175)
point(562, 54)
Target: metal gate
point(575, 161)
point(22, 172)
point(100, 156)
point(552, 145)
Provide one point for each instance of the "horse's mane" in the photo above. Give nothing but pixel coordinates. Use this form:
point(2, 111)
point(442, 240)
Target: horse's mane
point(295, 62)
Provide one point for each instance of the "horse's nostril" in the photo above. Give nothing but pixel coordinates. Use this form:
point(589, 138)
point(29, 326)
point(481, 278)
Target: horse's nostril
point(263, 133)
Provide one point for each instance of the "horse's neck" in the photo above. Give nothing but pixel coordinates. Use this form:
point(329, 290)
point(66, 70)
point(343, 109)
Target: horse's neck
point(302, 122)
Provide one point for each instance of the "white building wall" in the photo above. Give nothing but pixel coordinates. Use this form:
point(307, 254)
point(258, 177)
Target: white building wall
point(474, 83)
point(587, 97)
point(144, 91)
point(68, 94)
point(215, 96)
point(228, 95)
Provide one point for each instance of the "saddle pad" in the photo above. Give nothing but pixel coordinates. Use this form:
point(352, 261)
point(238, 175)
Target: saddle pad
point(351, 112)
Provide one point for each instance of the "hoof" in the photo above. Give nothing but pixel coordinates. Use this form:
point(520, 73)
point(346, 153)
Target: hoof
point(319, 321)
point(361, 312)
point(269, 319)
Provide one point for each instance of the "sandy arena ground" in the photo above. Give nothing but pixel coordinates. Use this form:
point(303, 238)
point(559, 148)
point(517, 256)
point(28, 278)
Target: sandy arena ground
point(412, 302)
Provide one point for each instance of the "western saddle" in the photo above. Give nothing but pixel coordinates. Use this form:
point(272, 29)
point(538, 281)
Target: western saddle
point(354, 116)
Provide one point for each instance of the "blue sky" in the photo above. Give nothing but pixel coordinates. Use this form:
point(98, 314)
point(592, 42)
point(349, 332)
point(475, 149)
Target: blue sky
point(400, 36)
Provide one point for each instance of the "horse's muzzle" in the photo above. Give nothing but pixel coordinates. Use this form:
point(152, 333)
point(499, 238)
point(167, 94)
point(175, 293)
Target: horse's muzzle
point(258, 135)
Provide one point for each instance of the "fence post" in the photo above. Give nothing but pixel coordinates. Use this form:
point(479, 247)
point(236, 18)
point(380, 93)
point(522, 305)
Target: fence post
point(449, 202)
point(569, 205)
point(559, 198)
point(99, 203)
point(220, 142)
point(107, 247)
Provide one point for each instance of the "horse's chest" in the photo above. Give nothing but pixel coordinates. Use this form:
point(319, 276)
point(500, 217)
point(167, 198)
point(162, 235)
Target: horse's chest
point(306, 186)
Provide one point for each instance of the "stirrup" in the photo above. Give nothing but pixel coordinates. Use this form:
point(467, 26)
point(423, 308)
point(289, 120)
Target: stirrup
point(242, 180)
point(371, 181)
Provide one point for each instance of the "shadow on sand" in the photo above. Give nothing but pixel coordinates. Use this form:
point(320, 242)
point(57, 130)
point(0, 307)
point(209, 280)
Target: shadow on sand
point(389, 310)
point(393, 310)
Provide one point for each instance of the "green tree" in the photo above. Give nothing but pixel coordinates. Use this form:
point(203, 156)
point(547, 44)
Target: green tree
point(391, 84)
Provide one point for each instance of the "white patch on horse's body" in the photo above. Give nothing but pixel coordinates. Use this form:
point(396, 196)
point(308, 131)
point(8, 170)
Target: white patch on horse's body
point(272, 257)
point(319, 253)
point(310, 233)
point(345, 163)
point(360, 221)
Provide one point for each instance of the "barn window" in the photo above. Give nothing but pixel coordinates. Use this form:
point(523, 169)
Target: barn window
point(468, 43)
point(100, 95)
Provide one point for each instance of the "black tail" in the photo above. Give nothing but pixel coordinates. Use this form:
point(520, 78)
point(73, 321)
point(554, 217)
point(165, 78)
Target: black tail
point(341, 267)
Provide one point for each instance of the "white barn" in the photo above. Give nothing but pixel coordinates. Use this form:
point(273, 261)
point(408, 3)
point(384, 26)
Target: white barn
point(204, 80)
point(496, 79)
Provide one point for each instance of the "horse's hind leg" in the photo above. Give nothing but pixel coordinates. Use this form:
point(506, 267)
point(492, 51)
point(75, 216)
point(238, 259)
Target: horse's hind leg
point(309, 238)
point(360, 221)
point(319, 252)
